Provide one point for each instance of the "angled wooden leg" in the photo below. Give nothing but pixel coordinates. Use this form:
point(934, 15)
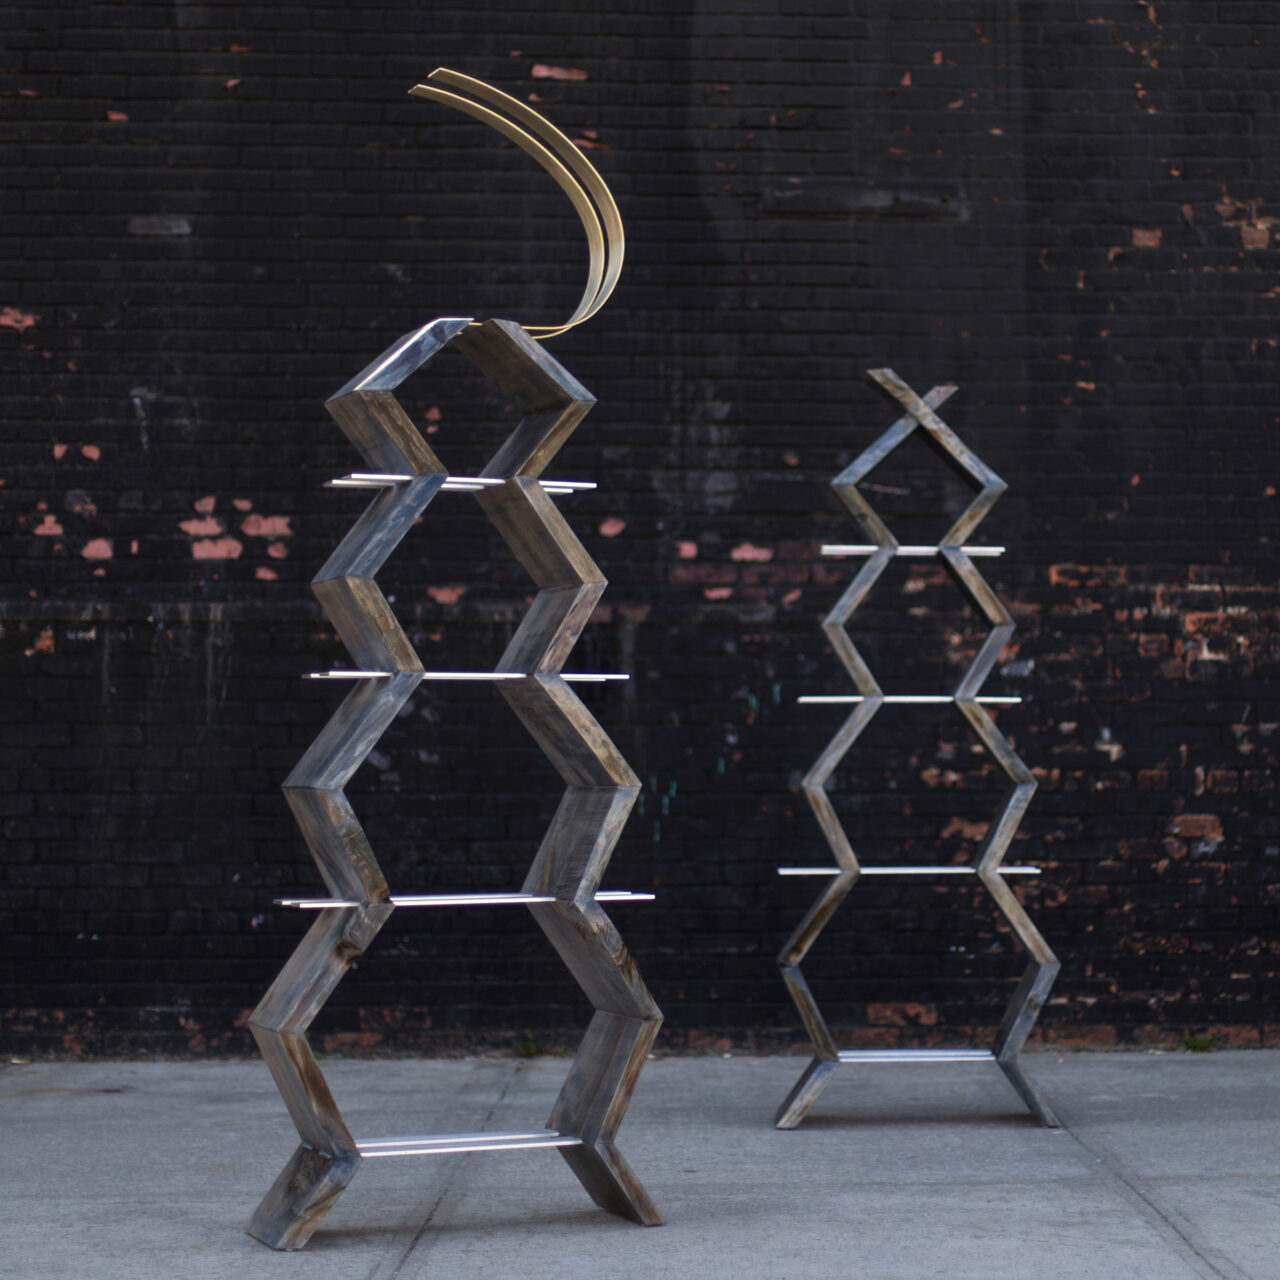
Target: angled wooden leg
point(1020, 1017)
point(805, 1092)
point(302, 1194)
point(328, 1158)
point(591, 1106)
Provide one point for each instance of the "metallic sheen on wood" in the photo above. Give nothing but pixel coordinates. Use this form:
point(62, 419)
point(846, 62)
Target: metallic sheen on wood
point(1043, 965)
point(562, 890)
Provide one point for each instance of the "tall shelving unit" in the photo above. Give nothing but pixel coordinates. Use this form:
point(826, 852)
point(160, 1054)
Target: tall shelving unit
point(988, 866)
point(562, 889)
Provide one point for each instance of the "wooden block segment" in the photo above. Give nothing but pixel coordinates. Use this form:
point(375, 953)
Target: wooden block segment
point(592, 1104)
point(299, 1198)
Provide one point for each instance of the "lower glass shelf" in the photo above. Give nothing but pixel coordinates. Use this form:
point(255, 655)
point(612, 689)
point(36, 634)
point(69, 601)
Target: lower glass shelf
point(916, 1055)
point(452, 1143)
point(459, 900)
point(907, 871)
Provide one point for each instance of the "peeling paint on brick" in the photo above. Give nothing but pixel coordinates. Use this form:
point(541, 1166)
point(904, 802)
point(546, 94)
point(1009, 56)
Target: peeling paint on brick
point(257, 526)
point(541, 71)
point(210, 525)
point(13, 318)
point(217, 549)
point(1108, 305)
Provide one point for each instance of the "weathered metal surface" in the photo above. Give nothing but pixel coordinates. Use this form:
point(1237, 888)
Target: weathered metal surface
point(988, 866)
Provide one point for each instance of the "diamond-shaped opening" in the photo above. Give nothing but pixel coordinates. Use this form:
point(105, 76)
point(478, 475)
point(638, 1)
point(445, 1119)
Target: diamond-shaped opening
point(515, 375)
point(908, 963)
point(916, 789)
point(918, 491)
point(916, 629)
point(458, 411)
point(919, 788)
point(426, 985)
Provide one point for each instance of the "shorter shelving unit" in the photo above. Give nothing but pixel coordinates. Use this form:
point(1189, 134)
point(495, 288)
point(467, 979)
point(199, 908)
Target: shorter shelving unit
point(988, 867)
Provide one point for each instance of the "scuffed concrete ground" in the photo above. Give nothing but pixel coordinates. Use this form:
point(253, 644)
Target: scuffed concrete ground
point(1169, 1169)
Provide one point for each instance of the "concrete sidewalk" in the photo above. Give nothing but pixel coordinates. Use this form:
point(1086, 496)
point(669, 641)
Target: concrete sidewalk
point(1169, 1169)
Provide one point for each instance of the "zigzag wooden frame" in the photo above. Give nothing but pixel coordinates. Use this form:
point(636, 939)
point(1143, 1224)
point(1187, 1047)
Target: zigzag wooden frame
point(1043, 966)
point(562, 887)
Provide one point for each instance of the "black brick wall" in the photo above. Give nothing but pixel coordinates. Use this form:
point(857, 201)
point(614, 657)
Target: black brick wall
point(214, 214)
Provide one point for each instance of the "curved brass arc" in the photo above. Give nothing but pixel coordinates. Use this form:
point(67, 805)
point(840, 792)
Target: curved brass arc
point(571, 172)
point(572, 156)
point(564, 179)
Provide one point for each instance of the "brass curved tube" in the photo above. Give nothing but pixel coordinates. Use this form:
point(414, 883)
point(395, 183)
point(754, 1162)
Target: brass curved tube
point(572, 171)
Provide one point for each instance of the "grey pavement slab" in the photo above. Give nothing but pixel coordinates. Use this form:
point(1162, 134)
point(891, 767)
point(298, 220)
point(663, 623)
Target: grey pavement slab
point(1169, 1169)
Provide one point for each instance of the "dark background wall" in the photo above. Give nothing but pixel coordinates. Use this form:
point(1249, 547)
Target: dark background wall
point(216, 213)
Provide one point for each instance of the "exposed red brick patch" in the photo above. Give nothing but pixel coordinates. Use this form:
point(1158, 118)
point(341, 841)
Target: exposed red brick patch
point(339, 1040)
point(209, 526)
point(1197, 826)
point(217, 549)
point(1147, 237)
point(946, 779)
point(12, 318)
point(257, 526)
point(541, 71)
point(902, 1015)
point(1087, 575)
point(1081, 1037)
point(965, 829)
point(694, 573)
